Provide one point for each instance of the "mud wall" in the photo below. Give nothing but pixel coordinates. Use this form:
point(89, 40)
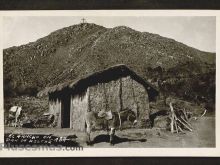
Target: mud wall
point(55, 109)
point(122, 94)
point(78, 109)
point(142, 100)
point(135, 97)
point(104, 96)
point(119, 95)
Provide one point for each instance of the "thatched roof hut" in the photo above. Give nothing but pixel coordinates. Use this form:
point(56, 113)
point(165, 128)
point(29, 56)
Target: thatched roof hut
point(102, 89)
point(105, 75)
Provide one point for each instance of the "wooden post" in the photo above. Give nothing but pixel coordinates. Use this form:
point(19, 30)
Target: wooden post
point(172, 118)
point(184, 112)
point(121, 103)
point(175, 118)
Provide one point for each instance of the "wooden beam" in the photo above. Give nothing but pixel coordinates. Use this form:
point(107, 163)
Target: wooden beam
point(172, 118)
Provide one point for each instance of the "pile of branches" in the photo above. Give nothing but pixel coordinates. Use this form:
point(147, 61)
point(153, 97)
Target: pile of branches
point(179, 119)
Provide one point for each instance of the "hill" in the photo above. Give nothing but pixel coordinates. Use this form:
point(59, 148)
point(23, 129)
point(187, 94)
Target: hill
point(78, 50)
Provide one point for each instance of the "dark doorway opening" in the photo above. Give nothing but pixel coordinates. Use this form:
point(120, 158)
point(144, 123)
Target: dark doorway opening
point(65, 111)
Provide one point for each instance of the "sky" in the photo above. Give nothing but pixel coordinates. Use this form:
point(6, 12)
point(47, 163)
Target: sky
point(197, 32)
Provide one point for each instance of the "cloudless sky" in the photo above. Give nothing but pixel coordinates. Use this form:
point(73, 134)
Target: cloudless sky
point(197, 32)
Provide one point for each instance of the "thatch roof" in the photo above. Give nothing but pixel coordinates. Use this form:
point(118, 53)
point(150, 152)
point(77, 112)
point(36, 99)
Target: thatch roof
point(106, 75)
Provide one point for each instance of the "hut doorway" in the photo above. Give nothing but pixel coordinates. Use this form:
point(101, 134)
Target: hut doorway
point(65, 112)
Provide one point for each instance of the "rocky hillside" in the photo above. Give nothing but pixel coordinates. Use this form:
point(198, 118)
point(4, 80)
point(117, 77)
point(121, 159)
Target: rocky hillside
point(74, 51)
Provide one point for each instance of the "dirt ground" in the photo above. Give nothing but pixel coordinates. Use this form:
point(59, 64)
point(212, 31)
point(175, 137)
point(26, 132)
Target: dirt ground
point(203, 135)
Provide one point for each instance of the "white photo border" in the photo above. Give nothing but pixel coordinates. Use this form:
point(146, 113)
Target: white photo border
point(116, 152)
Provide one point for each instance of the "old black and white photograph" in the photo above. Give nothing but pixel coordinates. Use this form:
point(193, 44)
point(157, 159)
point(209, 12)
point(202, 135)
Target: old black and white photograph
point(109, 81)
